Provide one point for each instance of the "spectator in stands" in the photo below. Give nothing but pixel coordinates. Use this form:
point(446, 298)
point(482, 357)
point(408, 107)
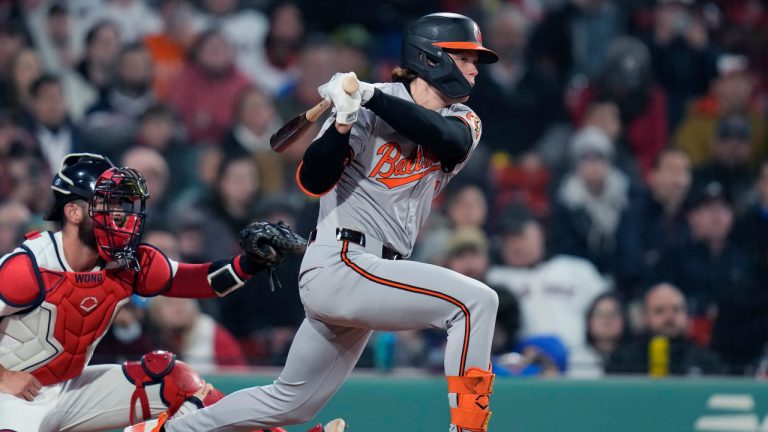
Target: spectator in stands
point(626, 79)
point(730, 161)
point(316, 62)
point(30, 182)
point(682, 53)
point(151, 164)
point(23, 69)
point(709, 266)
point(353, 43)
point(230, 206)
point(55, 39)
point(190, 231)
point(256, 120)
point(516, 99)
point(60, 53)
point(544, 356)
point(134, 18)
point(464, 206)
point(277, 62)
point(731, 92)
point(741, 328)
point(245, 30)
point(751, 230)
point(206, 90)
point(49, 124)
point(606, 329)
point(654, 221)
point(590, 201)
point(14, 141)
point(198, 338)
point(159, 128)
point(665, 320)
point(553, 293)
point(111, 122)
point(526, 180)
point(102, 46)
point(128, 338)
point(14, 217)
point(12, 40)
point(575, 39)
point(180, 28)
point(467, 252)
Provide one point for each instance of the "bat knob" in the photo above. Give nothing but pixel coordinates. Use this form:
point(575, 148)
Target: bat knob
point(350, 84)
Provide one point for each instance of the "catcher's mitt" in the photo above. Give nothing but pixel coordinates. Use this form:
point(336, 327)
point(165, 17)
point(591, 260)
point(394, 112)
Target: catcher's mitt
point(267, 244)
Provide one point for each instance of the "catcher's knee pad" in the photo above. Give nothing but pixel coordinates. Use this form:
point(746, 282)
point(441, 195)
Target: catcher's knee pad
point(473, 390)
point(178, 382)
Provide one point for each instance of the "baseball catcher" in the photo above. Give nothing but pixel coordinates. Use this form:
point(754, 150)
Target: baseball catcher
point(60, 291)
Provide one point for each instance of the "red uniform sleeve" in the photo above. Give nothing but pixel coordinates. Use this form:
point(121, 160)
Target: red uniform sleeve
point(191, 281)
point(217, 278)
point(163, 276)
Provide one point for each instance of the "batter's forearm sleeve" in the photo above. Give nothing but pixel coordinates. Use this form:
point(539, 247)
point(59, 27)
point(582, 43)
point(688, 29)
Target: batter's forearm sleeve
point(324, 161)
point(448, 138)
point(217, 278)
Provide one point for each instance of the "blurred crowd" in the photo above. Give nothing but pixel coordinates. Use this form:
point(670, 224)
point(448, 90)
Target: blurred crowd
point(618, 202)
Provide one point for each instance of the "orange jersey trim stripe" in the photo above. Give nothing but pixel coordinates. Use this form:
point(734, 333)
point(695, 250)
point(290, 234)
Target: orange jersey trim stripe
point(417, 290)
point(305, 190)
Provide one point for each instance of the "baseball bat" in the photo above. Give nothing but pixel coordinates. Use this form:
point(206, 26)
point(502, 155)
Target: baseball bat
point(287, 135)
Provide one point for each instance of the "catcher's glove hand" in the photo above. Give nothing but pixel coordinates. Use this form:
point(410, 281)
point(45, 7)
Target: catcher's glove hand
point(267, 244)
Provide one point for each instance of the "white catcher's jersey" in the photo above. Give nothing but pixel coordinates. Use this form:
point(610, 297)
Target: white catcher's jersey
point(386, 190)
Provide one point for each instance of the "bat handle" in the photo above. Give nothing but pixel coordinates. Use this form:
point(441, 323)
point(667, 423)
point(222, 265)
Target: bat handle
point(350, 84)
point(316, 111)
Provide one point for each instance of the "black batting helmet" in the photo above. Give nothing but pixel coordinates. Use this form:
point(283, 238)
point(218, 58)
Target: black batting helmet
point(75, 180)
point(423, 50)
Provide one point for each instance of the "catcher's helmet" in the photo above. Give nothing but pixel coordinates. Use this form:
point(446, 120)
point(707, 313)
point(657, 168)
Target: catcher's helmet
point(75, 180)
point(424, 45)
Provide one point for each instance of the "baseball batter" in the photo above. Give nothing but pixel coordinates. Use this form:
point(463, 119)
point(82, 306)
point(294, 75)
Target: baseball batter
point(377, 170)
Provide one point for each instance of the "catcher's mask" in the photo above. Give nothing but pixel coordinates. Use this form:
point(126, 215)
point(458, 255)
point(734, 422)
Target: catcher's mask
point(117, 209)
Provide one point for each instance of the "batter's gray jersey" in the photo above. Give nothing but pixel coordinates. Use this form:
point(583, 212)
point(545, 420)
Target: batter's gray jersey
point(387, 189)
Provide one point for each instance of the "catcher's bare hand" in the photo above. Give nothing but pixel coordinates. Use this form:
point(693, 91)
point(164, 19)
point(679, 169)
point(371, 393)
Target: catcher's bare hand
point(19, 383)
point(268, 243)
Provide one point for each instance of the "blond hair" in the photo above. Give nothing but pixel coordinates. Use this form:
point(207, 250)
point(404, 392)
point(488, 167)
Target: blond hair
point(403, 75)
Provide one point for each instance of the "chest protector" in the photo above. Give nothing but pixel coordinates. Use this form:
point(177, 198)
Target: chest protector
point(54, 338)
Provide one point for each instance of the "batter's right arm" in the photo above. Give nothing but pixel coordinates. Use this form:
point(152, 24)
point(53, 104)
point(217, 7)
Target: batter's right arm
point(324, 162)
